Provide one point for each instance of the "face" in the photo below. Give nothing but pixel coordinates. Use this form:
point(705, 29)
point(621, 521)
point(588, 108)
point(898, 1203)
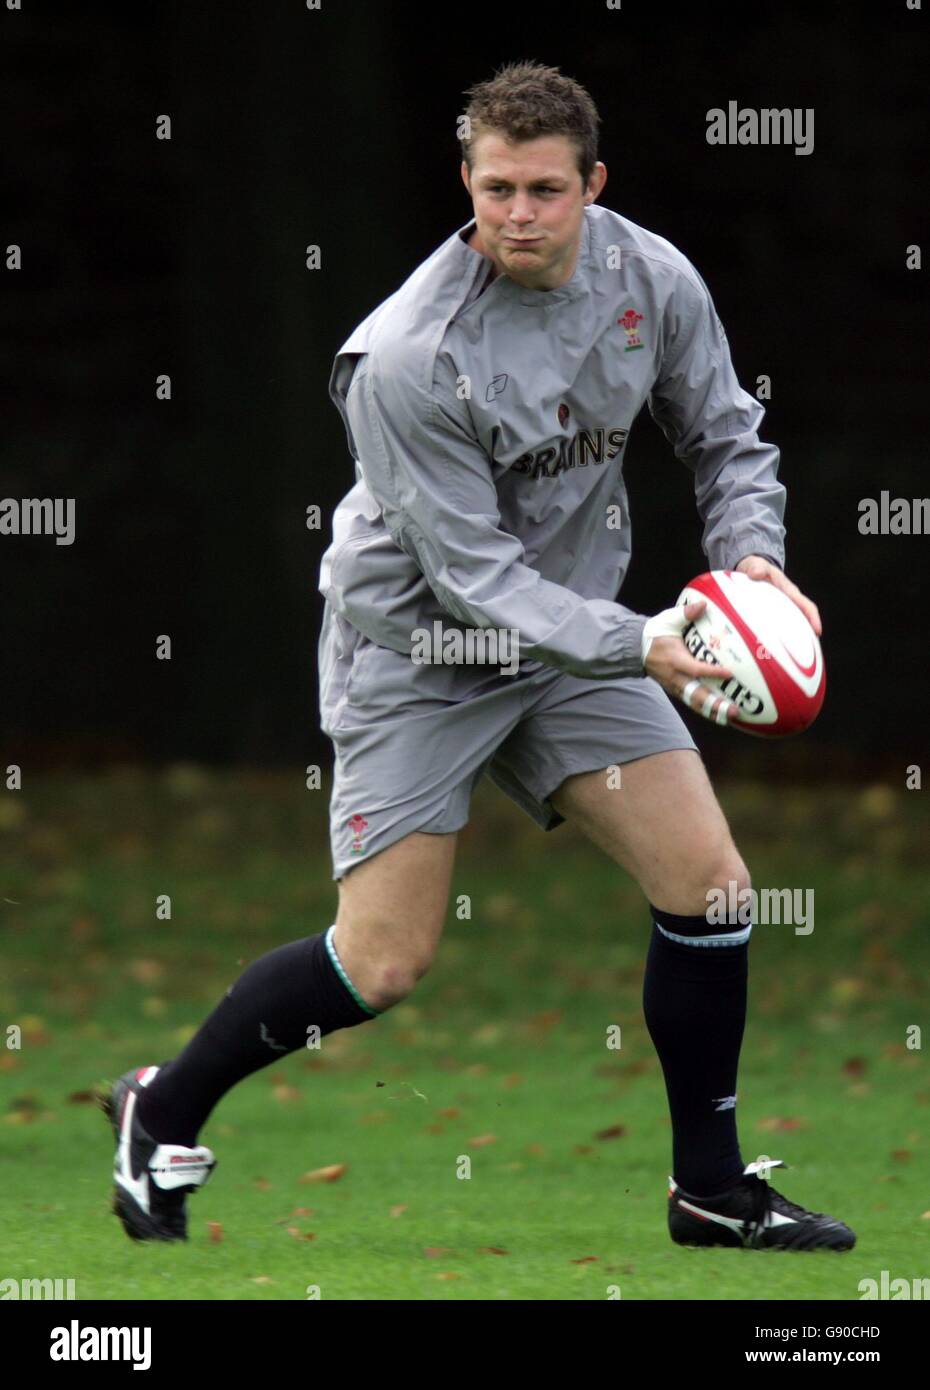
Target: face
point(529, 206)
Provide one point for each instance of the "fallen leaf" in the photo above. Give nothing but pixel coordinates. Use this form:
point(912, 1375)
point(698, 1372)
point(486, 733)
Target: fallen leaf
point(262, 1184)
point(331, 1173)
point(216, 1232)
point(582, 1148)
point(448, 1274)
point(398, 1210)
point(586, 1260)
point(432, 1252)
point(612, 1132)
point(780, 1123)
point(285, 1093)
point(298, 1211)
point(262, 1279)
point(481, 1141)
point(144, 971)
point(492, 1250)
point(83, 929)
point(514, 1079)
point(545, 1020)
point(854, 1066)
point(451, 1112)
point(34, 1031)
point(902, 1155)
point(81, 1098)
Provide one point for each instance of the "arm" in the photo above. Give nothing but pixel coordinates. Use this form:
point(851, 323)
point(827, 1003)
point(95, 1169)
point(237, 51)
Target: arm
point(425, 468)
point(712, 425)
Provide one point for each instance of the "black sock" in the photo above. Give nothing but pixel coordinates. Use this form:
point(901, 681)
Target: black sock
point(694, 999)
point(266, 1014)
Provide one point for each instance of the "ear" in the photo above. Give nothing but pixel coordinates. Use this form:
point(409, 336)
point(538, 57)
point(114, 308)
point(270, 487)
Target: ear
point(595, 183)
point(465, 178)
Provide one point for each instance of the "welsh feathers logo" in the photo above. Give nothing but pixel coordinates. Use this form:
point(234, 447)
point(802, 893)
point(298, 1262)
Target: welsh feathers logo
point(357, 824)
point(628, 324)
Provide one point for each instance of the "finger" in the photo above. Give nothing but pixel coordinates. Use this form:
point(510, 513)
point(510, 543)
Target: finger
point(710, 704)
point(809, 609)
point(705, 669)
point(695, 608)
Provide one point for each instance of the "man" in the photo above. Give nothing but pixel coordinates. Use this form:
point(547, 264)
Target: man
point(487, 404)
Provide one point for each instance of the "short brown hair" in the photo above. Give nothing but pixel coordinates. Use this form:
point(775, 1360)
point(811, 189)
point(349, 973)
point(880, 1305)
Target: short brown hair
point(525, 100)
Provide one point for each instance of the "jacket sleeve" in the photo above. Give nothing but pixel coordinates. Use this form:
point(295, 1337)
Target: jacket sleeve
point(713, 425)
point(424, 466)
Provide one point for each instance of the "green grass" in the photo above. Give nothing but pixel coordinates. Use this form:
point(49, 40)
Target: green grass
point(504, 1042)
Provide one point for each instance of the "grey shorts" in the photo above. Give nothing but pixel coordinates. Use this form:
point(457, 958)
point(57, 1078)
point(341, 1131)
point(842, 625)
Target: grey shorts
point(411, 742)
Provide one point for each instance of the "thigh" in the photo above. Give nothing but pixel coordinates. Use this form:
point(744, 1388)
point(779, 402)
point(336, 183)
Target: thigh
point(411, 742)
point(574, 725)
point(662, 824)
point(392, 908)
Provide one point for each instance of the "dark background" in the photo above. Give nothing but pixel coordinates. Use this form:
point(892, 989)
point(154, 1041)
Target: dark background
point(337, 127)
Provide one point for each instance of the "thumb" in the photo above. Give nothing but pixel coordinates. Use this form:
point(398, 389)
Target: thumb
point(671, 622)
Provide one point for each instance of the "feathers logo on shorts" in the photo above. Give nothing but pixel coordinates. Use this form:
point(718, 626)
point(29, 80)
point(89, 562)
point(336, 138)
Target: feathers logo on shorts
point(357, 824)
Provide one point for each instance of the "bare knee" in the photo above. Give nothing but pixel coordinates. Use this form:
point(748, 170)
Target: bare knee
point(729, 873)
point(700, 878)
point(391, 981)
point(382, 961)
point(390, 918)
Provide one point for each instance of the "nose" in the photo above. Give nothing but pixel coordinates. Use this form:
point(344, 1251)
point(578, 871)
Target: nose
point(520, 210)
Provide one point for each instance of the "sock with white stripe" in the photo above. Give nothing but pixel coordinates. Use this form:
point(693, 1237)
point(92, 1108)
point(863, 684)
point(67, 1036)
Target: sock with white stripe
point(266, 1014)
point(694, 1000)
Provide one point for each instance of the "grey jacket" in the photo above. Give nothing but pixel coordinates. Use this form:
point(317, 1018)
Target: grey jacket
point(489, 431)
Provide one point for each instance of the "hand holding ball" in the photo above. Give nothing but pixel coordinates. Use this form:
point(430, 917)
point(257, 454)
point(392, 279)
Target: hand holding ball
point(770, 679)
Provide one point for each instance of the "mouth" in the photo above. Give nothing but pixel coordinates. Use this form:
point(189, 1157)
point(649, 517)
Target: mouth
point(522, 241)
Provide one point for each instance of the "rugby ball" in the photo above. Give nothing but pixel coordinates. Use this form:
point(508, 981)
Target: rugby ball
point(759, 634)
